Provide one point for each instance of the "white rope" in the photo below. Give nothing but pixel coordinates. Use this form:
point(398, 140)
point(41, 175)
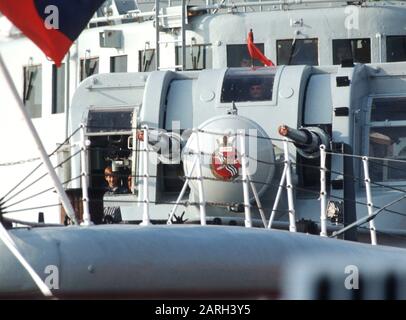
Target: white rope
point(11, 245)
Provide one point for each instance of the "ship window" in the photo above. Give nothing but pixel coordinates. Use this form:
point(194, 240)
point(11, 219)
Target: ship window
point(245, 84)
point(299, 51)
point(109, 121)
point(387, 139)
point(395, 48)
point(58, 89)
point(388, 109)
point(123, 6)
point(146, 60)
point(198, 57)
point(88, 67)
point(32, 97)
point(238, 55)
point(118, 64)
point(358, 50)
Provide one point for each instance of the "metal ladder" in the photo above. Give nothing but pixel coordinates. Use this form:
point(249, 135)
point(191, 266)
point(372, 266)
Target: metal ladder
point(158, 31)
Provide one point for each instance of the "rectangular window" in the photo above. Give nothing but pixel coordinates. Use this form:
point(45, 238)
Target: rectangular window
point(146, 60)
point(88, 67)
point(357, 50)
point(395, 48)
point(238, 55)
point(32, 97)
point(118, 64)
point(246, 85)
point(198, 57)
point(298, 52)
point(58, 89)
point(387, 139)
point(388, 109)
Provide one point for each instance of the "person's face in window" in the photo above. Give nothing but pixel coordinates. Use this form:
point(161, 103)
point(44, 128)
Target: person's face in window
point(256, 91)
point(111, 179)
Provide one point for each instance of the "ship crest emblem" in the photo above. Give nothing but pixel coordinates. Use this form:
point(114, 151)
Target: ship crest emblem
point(225, 163)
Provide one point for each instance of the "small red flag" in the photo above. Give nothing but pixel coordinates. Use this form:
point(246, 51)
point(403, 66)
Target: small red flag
point(255, 53)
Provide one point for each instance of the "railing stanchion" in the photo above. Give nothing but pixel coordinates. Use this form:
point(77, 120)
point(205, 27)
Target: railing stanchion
point(323, 192)
point(258, 201)
point(289, 187)
point(277, 198)
point(245, 187)
point(145, 216)
point(370, 204)
point(202, 202)
point(85, 176)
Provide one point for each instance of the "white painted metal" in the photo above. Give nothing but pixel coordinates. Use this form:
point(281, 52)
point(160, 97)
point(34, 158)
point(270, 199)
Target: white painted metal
point(85, 176)
point(289, 188)
point(370, 204)
point(11, 245)
point(258, 200)
point(278, 197)
point(43, 154)
point(145, 216)
point(202, 202)
point(323, 192)
point(245, 181)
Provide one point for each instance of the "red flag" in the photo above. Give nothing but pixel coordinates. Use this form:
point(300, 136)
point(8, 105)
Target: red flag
point(255, 53)
point(34, 17)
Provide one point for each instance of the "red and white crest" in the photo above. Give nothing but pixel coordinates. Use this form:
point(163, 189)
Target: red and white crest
point(225, 163)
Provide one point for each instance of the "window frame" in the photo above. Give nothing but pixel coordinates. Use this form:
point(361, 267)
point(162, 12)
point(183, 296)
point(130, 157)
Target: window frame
point(55, 91)
point(112, 63)
point(245, 104)
point(82, 66)
point(244, 45)
point(386, 45)
point(380, 124)
point(24, 100)
point(351, 39)
point(291, 40)
point(140, 52)
point(207, 47)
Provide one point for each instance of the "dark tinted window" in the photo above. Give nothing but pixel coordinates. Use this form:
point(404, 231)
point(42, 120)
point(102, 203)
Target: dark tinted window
point(246, 84)
point(118, 64)
point(358, 50)
point(198, 57)
point(88, 67)
point(123, 6)
point(58, 89)
point(108, 121)
point(146, 60)
point(395, 48)
point(387, 143)
point(238, 55)
point(393, 109)
point(300, 51)
point(33, 90)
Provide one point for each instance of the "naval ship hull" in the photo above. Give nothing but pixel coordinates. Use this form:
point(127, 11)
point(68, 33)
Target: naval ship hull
point(188, 261)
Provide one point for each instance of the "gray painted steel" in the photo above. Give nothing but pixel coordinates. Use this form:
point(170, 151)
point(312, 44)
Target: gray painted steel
point(171, 261)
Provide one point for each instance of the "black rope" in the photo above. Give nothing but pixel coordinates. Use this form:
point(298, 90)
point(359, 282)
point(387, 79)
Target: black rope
point(33, 208)
point(38, 166)
point(39, 179)
point(39, 193)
